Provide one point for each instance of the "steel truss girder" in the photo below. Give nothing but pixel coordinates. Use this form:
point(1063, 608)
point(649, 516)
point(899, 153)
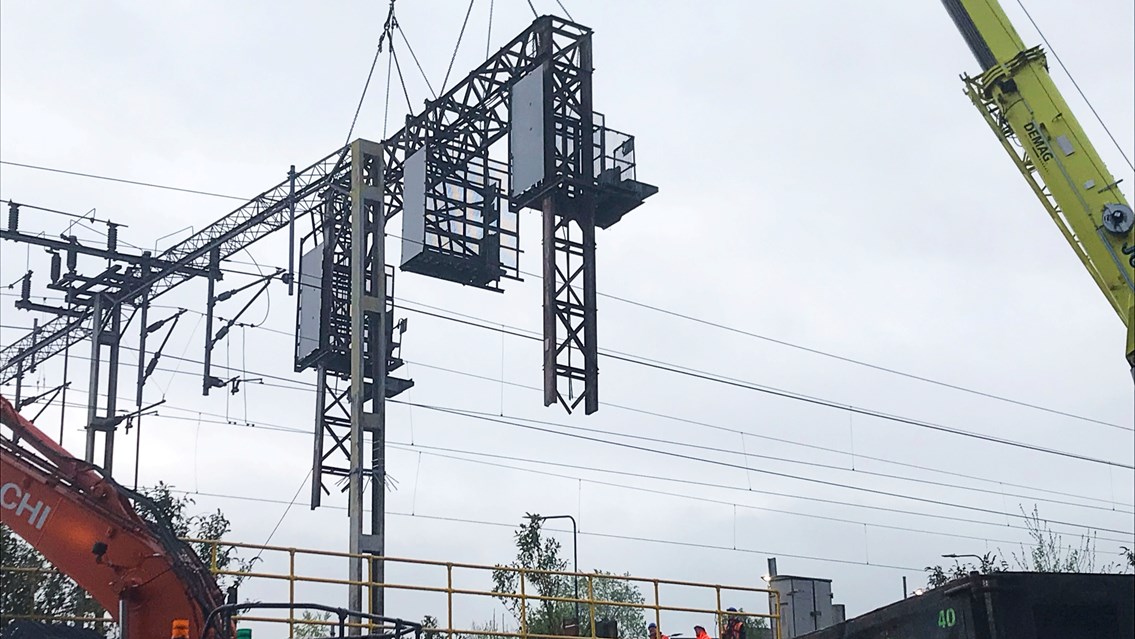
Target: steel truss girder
point(571, 367)
point(263, 214)
point(473, 115)
point(466, 121)
point(332, 433)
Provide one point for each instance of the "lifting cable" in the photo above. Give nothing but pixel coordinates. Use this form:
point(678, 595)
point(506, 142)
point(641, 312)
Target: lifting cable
point(386, 29)
point(419, 64)
point(489, 37)
point(564, 9)
point(386, 99)
point(1077, 85)
point(402, 79)
point(457, 46)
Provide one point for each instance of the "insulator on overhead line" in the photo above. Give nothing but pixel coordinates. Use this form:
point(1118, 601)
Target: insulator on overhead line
point(13, 216)
point(26, 287)
point(72, 260)
point(56, 267)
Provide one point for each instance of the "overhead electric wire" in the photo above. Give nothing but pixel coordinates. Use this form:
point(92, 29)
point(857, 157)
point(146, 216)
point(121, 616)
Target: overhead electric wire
point(789, 460)
point(423, 449)
point(864, 364)
point(284, 514)
point(125, 181)
point(17, 328)
point(727, 451)
point(87, 216)
point(786, 394)
point(310, 388)
point(531, 335)
point(830, 355)
point(582, 533)
point(753, 435)
point(724, 464)
point(721, 379)
point(195, 416)
point(743, 432)
point(694, 373)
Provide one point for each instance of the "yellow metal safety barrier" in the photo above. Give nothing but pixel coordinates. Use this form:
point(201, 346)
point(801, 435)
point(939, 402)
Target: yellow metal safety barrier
point(305, 577)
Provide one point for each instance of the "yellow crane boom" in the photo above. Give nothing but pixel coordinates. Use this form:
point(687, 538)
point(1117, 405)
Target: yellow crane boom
point(1024, 109)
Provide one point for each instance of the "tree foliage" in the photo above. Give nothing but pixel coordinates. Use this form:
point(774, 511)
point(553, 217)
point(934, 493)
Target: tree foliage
point(314, 625)
point(429, 628)
point(539, 558)
point(490, 626)
point(203, 527)
point(29, 585)
point(988, 563)
point(608, 586)
point(1048, 552)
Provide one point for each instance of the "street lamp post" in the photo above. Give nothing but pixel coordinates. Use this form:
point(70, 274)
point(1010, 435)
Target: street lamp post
point(574, 553)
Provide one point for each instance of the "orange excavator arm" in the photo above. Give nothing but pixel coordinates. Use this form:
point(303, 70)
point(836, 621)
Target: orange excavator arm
point(85, 524)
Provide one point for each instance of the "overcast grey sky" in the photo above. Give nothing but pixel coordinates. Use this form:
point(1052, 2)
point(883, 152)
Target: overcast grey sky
point(823, 181)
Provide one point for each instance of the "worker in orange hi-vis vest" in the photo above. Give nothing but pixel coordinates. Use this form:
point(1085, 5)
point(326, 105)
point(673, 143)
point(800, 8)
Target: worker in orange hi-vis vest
point(652, 630)
point(734, 627)
point(700, 633)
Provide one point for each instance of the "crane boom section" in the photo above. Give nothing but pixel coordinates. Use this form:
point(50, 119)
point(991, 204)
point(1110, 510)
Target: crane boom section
point(1025, 110)
point(84, 524)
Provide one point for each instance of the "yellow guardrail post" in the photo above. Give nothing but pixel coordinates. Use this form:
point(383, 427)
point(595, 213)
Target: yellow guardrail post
point(213, 557)
point(291, 592)
point(523, 606)
point(591, 603)
point(657, 608)
point(449, 599)
point(370, 602)
point(779, 626)
point(718, 613)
